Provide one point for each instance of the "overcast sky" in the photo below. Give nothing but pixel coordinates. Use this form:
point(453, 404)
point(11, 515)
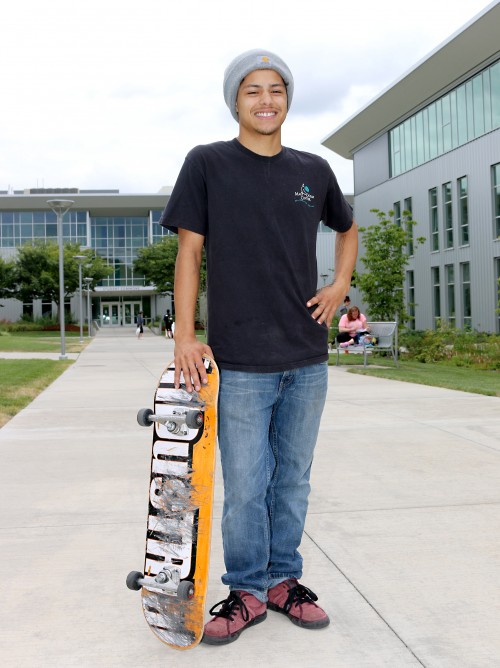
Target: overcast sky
point(113, 93)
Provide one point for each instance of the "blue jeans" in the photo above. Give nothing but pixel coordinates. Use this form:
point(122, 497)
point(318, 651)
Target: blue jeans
point(268, 426)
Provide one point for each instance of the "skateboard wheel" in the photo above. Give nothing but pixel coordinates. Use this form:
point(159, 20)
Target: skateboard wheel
point(194, 419)
point(143, 417)
point(133, 580)
point(185, 590)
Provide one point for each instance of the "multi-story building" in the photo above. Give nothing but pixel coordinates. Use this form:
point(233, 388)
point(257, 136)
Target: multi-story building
point(430, 144)
point(116, 226)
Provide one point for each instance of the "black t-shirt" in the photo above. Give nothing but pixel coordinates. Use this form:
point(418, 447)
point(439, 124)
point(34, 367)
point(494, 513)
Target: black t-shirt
point(259, 216)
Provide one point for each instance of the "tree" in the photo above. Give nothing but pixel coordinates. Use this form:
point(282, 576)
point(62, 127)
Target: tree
point(385, 260)
point(7, 278)
point(36, 271)
point(157, 264)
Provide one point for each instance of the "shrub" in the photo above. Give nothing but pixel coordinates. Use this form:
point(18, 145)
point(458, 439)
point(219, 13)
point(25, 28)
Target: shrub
point(456, 346)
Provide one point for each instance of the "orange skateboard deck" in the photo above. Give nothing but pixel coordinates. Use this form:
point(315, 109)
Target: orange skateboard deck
point(175, 574)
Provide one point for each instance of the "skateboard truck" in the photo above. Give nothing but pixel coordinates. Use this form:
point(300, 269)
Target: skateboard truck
point(177, 422)
point(168, 580)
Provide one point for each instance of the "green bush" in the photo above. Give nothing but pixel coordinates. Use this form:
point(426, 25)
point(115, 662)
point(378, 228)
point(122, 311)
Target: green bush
point(19, 326)
point(334, 328)
point(457, 347)
point(38, 325)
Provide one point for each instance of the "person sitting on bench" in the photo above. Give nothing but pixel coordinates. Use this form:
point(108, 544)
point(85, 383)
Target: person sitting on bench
point(352, 326)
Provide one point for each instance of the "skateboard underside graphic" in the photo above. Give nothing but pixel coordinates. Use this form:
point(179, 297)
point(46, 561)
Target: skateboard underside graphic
point(174, 577)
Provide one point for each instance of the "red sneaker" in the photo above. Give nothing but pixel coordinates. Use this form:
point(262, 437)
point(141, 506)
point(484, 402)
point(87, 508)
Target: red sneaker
point(298, 604)
point(239, 611)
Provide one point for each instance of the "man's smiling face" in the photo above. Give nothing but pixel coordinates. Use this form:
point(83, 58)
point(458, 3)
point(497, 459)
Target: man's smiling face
point(261, 102)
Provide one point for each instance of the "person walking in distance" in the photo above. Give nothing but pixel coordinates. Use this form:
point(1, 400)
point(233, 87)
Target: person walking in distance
point(140, 325)
point(256, 206)
point(168, 320)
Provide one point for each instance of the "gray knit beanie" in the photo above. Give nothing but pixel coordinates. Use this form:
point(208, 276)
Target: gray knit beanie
point(256, 59)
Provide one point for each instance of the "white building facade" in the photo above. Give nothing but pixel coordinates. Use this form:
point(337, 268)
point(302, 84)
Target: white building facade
point(114, 225)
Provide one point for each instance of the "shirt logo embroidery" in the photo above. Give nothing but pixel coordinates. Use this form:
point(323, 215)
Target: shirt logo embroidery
point(304, 196)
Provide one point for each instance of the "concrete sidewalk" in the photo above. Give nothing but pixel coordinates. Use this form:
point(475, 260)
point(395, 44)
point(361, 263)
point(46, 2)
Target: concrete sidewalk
point(402, 541)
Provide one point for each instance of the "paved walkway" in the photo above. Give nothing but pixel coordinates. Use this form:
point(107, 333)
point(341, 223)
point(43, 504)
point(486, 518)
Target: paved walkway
point(402, 540)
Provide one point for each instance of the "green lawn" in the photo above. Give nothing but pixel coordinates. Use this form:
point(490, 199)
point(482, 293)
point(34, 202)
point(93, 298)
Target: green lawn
point(40, 342)
point(22, 380)
point(437, 374)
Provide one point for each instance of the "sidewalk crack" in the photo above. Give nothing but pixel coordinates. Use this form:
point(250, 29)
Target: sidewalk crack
point(367, 601)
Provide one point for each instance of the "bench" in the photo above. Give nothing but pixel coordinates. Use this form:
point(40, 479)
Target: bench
point(384, 333)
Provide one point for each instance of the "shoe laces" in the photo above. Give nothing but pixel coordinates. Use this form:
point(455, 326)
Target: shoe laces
point(230, 607)
point(299, 595)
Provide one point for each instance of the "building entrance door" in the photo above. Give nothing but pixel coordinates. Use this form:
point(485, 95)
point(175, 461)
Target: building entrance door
point(110, 314)
point(130, 311)
point(116, 313)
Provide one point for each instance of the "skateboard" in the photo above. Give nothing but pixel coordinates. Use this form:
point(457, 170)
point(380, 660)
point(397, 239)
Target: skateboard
point(174, 579)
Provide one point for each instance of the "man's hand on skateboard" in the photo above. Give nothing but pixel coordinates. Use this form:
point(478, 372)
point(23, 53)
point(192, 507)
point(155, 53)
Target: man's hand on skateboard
point(189, 362)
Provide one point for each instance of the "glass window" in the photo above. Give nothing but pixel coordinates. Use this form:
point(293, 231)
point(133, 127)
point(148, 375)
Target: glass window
point(436, 296)
point(419, 123)
point(409, 226)
point(462, 115)
point(433, 139)
point(448, 215)
point(28, 311)
point(450, 294)
point(463, 210)
point(410, 298)
point(487, 101)
point(477, 93)
point(454, 118)
point(497, 266)
point(117, 240)
point(408, 161)
point(495, 95)
point(434, 219)
point(446, 117)
point(466, 295)
point(46, 309)
point(467, 112)
point(7, 232)
point(496, 200)
point(51, 230)
point(469, 101)
point(397, 213)
point(27, 230)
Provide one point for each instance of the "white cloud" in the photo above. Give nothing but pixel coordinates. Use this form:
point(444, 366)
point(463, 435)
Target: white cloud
point(108, 93)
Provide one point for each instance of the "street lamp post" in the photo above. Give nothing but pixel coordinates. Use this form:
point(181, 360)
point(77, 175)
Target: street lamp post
point(88, 281)
point(80, 259)
point(60, 207)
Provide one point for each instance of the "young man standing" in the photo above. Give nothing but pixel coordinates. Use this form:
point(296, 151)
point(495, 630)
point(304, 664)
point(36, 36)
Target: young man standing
point(256, 206)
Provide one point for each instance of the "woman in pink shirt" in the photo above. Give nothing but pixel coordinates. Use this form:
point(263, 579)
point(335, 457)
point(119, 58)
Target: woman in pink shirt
point(351, 326)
